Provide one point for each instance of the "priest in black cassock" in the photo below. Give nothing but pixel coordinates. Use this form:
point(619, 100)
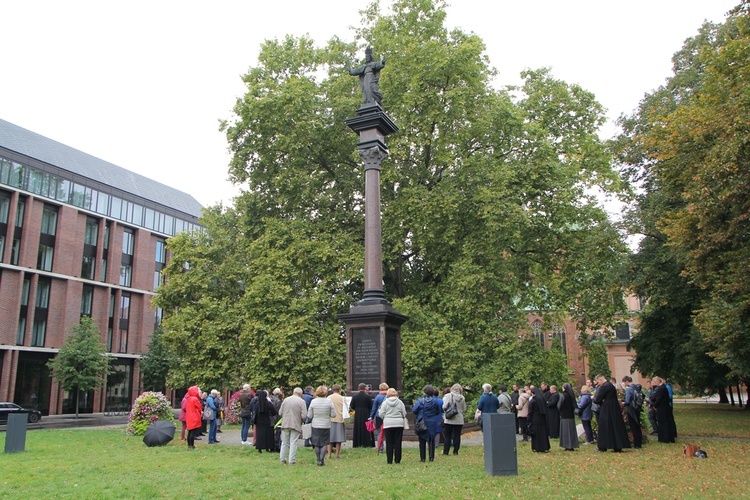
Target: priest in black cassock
point(361, 405)
point(611, 433)
point(553, 413)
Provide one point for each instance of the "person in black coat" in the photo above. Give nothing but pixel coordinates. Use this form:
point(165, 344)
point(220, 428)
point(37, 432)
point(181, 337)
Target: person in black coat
point(264, 413)
point(661, 403)
point(553, 413)
point(361, 405)
point(538, 422)
point(612, 433)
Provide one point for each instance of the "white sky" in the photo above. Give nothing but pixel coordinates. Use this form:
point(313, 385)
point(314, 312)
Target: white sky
point(143, 83)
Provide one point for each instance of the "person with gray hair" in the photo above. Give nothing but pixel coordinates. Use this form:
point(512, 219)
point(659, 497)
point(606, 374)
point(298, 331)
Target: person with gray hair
point(246, 396)
point(211, 403)
point(487, 403)
point(293, 413)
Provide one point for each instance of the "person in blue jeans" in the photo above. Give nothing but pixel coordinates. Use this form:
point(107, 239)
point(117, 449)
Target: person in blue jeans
point(211, 403)
point(245, 397)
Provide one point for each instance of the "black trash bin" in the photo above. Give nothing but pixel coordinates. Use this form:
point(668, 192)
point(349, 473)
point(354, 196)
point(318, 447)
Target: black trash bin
point(500, 452)
point(15, 433)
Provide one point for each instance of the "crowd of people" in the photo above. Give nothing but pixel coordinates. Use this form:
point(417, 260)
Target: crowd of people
point(316, 417)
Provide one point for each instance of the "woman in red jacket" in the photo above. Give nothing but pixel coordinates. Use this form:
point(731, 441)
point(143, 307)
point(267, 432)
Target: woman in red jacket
point(193, 411)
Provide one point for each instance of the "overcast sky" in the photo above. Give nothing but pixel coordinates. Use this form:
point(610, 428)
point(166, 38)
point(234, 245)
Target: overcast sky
point(143, 84)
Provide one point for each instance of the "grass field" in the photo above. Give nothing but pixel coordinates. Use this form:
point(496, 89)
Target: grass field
point(109, 464)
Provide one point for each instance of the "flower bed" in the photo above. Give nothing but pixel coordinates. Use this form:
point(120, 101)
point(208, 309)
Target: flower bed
point(148, 408)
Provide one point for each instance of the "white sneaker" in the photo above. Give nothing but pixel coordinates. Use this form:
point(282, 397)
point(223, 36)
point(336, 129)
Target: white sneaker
point(244, 442)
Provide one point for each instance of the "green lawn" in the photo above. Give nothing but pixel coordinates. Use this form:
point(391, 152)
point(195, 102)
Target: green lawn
point(109, 464)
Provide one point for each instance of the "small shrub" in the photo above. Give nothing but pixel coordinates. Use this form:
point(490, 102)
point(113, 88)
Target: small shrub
point(148, 408)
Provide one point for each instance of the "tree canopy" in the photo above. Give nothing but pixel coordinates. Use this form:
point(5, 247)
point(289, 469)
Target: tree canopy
point(488, 211)
point(687, 148)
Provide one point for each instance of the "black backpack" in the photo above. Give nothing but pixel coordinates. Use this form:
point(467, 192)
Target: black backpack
point(636, 402)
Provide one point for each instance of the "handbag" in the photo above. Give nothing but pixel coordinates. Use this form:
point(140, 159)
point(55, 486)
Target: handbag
point(208, 413)
point(406, 424)
point(452, 410)
point(370, 425)
point(306, 431)
point(420, 426)
point(344, 409)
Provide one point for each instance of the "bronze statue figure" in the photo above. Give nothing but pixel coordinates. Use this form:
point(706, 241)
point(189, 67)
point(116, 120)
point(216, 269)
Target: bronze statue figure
point(369, 76)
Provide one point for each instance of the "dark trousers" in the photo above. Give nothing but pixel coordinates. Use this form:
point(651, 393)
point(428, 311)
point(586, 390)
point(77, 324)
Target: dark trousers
point(523, 425)
point(393, 438)
point(652, 419)
point(424, 445)
point(634, 421)
point(452, 435)
point(191, 436)
point(588, 430)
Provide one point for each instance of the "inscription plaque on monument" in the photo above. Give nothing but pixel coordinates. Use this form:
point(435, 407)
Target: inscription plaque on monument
point(366, 356)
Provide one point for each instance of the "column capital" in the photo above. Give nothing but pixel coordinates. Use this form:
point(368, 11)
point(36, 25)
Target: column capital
point(372, 157)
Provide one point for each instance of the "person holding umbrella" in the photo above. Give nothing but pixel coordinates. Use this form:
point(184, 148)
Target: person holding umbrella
point(193, 414)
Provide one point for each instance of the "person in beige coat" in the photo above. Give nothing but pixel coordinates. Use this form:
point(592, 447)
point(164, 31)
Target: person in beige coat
point(338, 429)
point(523, 411)
point(454, 424)
point(293, 413)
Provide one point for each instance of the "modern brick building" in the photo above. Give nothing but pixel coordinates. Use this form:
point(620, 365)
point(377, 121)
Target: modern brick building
point(78, 236)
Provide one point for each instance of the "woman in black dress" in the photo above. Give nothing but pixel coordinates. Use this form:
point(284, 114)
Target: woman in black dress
point(538, 422)
point(361, 405)
point(264, 413)
point(568, 434)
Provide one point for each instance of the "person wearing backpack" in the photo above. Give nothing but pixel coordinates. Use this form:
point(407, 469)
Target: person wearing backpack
point(633, 405)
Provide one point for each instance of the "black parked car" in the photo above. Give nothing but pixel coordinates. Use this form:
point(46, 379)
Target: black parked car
point(8, 408)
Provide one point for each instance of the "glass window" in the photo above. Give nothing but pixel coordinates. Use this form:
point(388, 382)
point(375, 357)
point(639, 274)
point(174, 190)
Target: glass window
point(88, 267)
point(102, 204)
point(536, 331)
point(89, 202)
point(63, 190)
point(106, 235)
point(44, 258)
point(15, 251)
point(21, 332)
point(104, 270)
point(123, 341)
point(128, 242)
point(36, 180)
point(116, 207)
point(25, 292)
point(125, 306)
point(78, 195)
point(17, 173)
point(42, 294)
point(126, 275)
point(168, 225)
point(158, 279)
point(49, 220)
point(20, 212)
point(2, 246)
point(87, 299)
point(91, 234)
point(161, 251)
point(158, 315)
point(137, 215)
point(4, 207)
point(149, 222)
point(39, 332)
point(109, 339)
point(4, 171)
point(558, 331)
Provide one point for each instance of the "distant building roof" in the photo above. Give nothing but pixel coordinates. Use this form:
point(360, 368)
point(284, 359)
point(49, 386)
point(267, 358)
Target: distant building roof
point(36, 146)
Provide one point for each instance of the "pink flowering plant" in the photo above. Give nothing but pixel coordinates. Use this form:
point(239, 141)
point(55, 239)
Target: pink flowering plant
point(147, 409)
point(232, 413)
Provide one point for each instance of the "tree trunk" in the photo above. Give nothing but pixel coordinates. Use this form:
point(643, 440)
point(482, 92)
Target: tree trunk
point(739, 394)
point(731, 395)
point(723, 396)
point(78, 395)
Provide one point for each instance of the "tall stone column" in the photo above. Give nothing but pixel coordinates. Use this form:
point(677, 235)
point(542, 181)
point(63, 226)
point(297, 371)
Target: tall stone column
point(373, 326)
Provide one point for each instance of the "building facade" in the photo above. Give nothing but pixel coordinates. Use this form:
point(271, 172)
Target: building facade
point(78, 237)
point(566, 332)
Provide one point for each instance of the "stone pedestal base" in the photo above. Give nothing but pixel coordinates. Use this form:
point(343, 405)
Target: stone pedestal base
point(373, 345)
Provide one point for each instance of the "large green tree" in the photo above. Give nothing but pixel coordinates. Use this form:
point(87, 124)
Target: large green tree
point(488, 209)
point(82, 362)
point(687, 146)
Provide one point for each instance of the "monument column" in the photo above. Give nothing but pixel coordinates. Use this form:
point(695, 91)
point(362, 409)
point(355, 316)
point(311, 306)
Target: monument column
point(373, 326)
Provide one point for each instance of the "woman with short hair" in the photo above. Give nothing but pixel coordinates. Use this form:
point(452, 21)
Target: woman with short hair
point(428, 409)
point(455, 423)
point(320, 412)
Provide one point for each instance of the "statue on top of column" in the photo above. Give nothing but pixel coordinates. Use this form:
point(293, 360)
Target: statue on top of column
point(369, 76)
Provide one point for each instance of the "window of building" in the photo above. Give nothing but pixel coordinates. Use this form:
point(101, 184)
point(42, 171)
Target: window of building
point(49, 220)
point(622, 331)
point(39, 330)
point(126, 264)
point(126, 275)
point(15, 251)
point(20, 212)
point(90, 239)
point(91, 233)
point(4, 207)
point(87, 300)
point(23, 313)
point(536, 332)
point(161, 251)
point(558, 332)
point(124, 322)
point(111, 322)
point(128, 242)
point(44, 258)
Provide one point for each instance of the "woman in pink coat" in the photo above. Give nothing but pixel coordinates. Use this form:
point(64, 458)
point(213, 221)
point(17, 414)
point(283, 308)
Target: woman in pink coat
point(193, 411)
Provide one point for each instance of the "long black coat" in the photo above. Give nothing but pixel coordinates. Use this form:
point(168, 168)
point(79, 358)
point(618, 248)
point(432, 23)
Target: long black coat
point(664, 416)
point(612, 433)
point(553, 415)
point(361, 404)
point(538, 421)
